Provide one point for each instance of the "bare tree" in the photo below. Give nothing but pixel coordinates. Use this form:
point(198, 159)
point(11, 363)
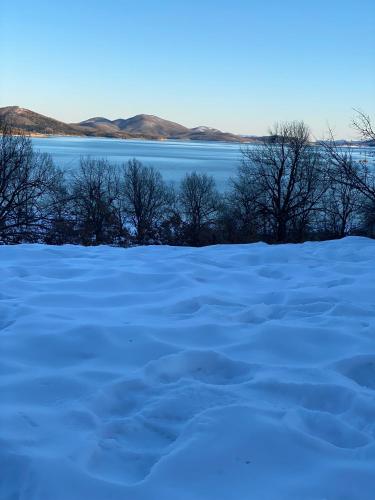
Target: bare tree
point(363, 124)
point(25, 179)
point(286, 178)
point(59, 212)
point(342, 206)
point(200, 203)
point(356, 180)
point(355, 174)
point(145, 199)
point(95, 201)
point(171, 231)
point(242, 216)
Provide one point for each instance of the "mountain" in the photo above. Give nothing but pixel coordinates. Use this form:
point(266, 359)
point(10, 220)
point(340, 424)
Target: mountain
point(98, 120)
point(30, 121)
point(139, 126)
point(205, 129)
point(37, 124)
point(211, 135)
point(151, 125)
point(101, 126)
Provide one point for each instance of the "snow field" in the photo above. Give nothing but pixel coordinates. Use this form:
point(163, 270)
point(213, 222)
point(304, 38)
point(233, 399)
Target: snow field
point(227, 373)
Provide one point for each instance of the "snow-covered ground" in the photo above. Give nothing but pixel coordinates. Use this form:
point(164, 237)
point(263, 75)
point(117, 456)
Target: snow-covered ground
point(223, 373)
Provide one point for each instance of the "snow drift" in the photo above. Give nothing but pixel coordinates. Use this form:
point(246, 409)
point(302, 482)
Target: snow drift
point(229, 372)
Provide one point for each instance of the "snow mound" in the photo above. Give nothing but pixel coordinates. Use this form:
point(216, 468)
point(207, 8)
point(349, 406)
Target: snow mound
point(220, 373)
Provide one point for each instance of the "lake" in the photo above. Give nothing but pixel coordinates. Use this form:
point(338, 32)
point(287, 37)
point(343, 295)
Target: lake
point(172, 158)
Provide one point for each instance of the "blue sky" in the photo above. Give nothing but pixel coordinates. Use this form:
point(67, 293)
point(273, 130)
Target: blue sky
point(236, 65)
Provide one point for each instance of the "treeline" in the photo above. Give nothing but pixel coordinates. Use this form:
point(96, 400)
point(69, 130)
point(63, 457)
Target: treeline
point(285, 190)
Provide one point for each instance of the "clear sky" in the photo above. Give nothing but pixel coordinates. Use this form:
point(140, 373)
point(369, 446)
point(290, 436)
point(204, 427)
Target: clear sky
point(237, 65)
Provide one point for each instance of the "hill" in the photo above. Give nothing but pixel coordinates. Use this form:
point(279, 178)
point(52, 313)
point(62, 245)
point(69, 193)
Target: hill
point(154, 127)
point(139, 126)
point(35, 123)
point(101, 126)
point(150, 125)
point(30, 121)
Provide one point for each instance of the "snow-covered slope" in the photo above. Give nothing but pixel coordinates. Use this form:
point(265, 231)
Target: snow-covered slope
point(222, 373)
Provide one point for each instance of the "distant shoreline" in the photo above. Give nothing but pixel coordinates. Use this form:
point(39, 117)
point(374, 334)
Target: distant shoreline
point(140, 128)
point(37, 135)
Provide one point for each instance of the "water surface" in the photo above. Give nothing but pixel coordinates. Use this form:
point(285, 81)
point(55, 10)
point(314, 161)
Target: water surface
point(172, 158)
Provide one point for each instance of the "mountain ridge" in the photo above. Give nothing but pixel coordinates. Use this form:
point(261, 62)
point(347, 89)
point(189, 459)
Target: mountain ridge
point(142, 126)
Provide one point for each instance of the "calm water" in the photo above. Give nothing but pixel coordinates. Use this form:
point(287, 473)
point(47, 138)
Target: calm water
point(172, 158)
